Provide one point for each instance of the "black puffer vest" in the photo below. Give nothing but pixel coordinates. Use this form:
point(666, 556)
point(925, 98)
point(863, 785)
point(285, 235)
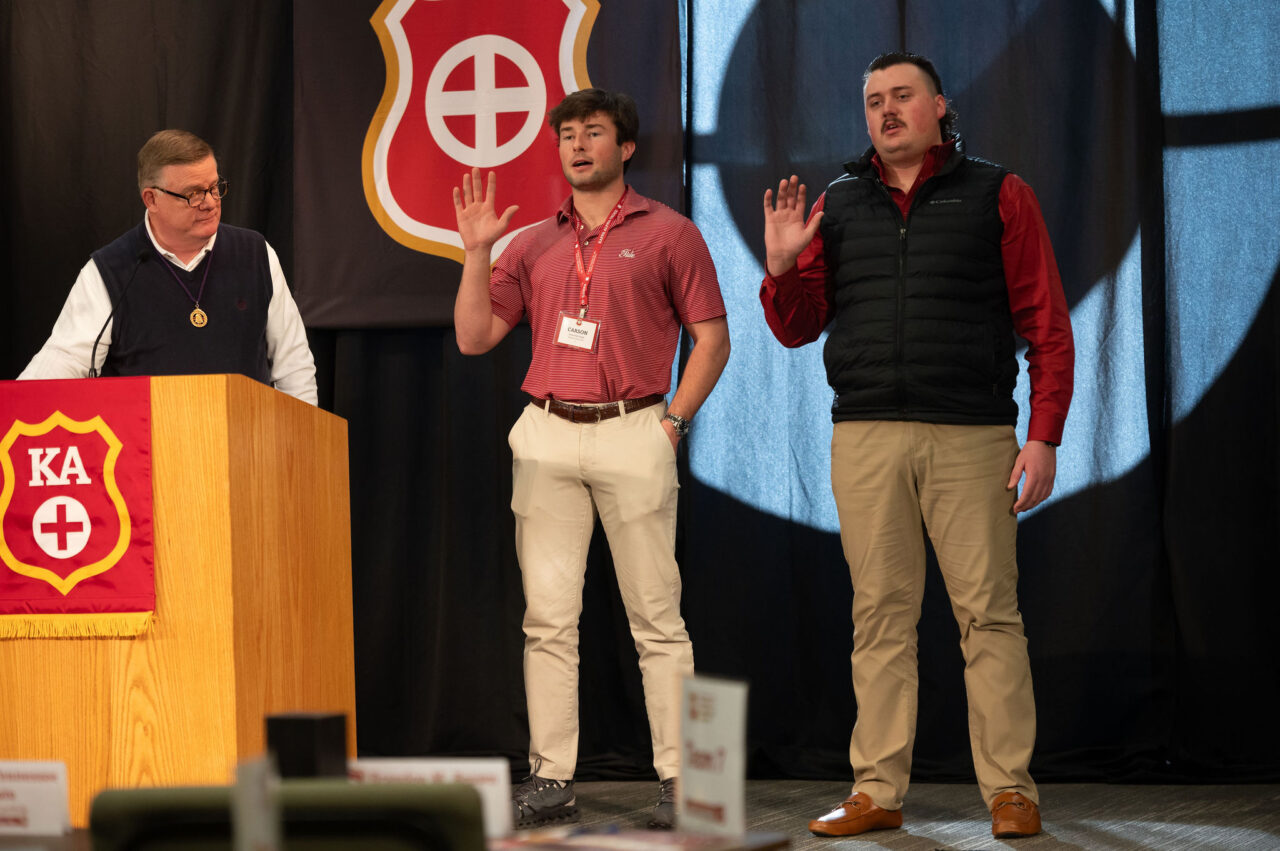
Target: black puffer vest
point(922, 328)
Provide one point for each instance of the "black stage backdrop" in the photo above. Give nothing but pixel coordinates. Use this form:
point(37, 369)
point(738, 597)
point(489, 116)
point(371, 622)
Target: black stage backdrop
point(1151, 608)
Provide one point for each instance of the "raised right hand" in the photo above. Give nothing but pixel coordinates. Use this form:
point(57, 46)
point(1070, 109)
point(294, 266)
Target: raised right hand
point(479, 226)
point(785, 232)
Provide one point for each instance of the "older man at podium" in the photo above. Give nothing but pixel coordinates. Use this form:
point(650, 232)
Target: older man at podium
point(163, 301)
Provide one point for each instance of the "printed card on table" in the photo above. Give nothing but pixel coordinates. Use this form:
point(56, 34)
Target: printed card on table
point(490, 776)
point(33, 799)
point(713, 740)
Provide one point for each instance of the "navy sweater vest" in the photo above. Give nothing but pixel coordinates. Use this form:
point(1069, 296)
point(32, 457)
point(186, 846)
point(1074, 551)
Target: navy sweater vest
point(151, 332)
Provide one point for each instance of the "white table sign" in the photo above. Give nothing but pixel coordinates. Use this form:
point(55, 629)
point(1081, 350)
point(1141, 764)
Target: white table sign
point(713, 744)
point(33, 799)
point(490, 776)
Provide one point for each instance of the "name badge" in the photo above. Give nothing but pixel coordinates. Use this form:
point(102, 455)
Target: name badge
point(576, 333)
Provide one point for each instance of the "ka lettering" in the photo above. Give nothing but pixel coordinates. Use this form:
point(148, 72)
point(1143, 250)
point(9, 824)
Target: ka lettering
point(42, 467)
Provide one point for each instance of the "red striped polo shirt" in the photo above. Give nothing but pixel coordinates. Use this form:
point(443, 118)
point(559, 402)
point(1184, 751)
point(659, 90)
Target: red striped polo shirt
point(653, 275)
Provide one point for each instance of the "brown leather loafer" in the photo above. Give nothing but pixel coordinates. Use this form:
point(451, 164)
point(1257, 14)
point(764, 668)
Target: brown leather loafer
point(856, 814)
point(1013, 815)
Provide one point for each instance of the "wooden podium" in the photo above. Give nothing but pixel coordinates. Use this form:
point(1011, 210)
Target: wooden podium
point(253, 603)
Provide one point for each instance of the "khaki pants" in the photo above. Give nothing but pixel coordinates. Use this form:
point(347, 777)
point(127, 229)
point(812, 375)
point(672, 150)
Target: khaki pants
point(887, 477)
point(564, 473)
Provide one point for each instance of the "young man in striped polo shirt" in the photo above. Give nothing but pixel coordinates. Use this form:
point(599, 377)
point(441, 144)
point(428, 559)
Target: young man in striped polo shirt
point(606, 283)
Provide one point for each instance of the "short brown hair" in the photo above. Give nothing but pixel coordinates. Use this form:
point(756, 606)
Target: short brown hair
point(618, 106)
point(169, 147)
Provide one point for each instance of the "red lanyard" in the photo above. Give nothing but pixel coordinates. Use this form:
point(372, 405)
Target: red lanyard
point(584, 274)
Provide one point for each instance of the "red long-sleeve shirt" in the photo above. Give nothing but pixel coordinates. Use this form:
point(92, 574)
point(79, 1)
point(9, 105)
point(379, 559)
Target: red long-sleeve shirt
point(800, 303)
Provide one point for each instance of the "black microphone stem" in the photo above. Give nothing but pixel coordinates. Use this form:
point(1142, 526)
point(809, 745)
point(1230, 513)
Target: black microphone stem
point(143, 254)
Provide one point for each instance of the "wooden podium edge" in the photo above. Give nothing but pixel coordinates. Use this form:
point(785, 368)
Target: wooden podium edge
point(232, 640)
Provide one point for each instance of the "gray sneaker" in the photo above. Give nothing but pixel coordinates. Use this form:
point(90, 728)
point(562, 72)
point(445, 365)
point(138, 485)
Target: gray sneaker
point(541, 800)
point(664, 812)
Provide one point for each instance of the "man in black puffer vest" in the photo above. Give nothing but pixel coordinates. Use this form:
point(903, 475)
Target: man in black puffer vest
point(924, 263)
point(181, 293)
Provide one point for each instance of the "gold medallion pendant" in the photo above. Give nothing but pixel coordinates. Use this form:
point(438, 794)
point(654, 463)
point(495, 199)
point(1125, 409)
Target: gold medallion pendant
point(199, 318)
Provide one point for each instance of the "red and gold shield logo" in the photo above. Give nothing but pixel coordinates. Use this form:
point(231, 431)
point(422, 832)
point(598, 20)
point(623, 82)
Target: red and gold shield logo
point(63, 518)
point(469, 85)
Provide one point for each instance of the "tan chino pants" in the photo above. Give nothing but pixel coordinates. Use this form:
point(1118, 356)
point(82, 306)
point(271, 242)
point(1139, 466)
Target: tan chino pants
point(563, 474)
point(888, 477)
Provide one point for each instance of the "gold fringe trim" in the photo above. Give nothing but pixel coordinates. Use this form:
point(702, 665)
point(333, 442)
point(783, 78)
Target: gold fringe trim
point(103, 625)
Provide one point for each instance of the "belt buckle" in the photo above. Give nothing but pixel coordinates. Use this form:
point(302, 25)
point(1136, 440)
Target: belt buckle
point(582, 414)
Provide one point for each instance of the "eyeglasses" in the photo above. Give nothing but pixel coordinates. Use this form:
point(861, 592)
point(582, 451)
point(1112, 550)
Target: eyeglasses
point(195, 197)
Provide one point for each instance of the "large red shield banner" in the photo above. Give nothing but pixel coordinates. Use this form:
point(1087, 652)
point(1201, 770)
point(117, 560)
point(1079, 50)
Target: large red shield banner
point(76, 556)
point(469, 85)
point(375, 236)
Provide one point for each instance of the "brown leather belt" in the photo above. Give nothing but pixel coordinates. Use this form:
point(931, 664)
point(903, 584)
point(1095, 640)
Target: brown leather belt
point(594, 413)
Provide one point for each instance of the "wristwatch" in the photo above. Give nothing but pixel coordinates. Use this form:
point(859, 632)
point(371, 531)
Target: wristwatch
point(680, 424)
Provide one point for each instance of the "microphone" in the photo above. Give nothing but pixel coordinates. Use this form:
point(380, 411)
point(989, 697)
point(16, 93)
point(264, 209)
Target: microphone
point(143, 254)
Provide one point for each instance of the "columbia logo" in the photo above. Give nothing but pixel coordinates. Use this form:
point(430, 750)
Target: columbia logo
point(627, 252)
point(946, 201)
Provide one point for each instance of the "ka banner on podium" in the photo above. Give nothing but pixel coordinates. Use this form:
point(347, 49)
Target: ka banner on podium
point(76, 545)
